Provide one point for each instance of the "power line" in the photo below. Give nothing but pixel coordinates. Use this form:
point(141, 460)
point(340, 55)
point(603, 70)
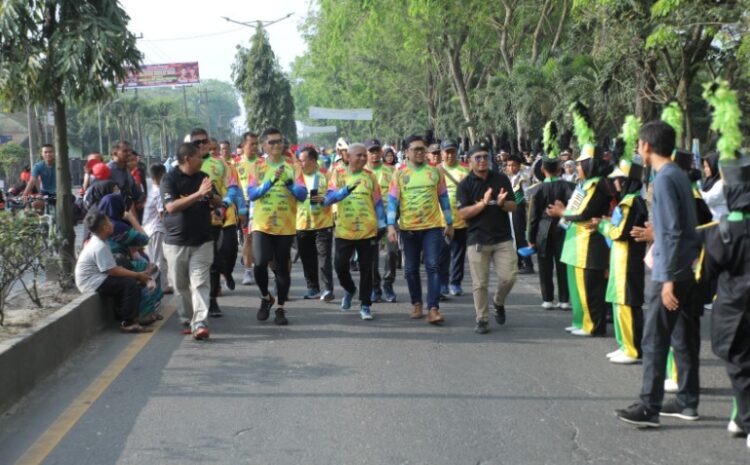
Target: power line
point(201, 36)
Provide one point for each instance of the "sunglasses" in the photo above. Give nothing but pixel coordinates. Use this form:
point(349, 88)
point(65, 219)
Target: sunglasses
point(481, 157)
point(437, 152)
point(275, 142)
point(199, 142)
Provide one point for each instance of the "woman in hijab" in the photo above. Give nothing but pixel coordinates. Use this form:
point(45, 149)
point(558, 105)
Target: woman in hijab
point(712, 189)
point(127, 246)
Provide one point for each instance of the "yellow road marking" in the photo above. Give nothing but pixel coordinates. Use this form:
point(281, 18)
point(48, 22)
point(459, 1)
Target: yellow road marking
point(47, 442)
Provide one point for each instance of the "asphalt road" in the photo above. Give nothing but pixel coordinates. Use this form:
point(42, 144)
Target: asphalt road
point(332, 389)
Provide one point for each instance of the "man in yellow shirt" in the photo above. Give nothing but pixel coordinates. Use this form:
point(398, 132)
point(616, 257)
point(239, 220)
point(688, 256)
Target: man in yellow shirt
point(245, 167)
point(452, 254)
point(275, 186)
point(315, 229)
point(419, 198)
point(383, 174)
point(361, 217)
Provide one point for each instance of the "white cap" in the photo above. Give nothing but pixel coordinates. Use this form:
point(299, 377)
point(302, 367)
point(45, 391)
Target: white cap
point(341, 144)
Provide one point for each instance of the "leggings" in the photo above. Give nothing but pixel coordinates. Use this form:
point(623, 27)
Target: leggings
point(268, 248)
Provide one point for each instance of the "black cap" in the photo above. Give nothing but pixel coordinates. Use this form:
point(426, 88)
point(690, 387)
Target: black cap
point(448, 144)
point(478, 147)
point(372, 143)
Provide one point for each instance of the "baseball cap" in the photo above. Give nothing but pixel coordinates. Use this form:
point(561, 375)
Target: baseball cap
point(433, 148)
point(478, 147)
point(372, 143)
point(101, 171)
point(448, 144)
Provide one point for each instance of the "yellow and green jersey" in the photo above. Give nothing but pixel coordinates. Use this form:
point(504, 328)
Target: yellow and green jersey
point(383, 174)
point(311, 217)
point(584, 248)
point(417, 195)
point(455, 174)
point(245, 167)
point(275, 203)
point(626, 267)
point(217, 171)
point(360, 212)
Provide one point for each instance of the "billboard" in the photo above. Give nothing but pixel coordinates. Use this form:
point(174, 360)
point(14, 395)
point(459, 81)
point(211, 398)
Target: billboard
point(165, 74)
point(351, 114)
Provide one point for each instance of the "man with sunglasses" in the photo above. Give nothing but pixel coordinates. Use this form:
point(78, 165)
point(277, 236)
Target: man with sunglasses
point(215, 169)
point(483, 200)
point(275, 186)
point(417, 196)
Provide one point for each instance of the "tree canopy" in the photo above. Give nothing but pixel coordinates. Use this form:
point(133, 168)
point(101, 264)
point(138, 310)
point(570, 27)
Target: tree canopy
point(266, 91)
point(481, 69)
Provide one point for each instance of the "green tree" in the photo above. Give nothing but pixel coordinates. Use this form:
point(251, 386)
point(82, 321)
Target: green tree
point(12, 157)
point(265, 89)
point(61, 51)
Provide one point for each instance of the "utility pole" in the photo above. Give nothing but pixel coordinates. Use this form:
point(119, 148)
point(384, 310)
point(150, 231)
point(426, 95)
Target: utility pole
point(184, 100)
point(31, 135)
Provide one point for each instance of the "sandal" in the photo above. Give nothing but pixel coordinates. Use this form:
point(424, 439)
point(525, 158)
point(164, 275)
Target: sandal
point(133, 328)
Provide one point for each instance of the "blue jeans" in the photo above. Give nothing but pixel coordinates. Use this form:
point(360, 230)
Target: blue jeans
point(415, 243)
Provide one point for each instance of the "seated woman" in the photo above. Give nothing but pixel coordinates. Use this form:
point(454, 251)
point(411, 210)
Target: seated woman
point(126, 245)
point(97, 271)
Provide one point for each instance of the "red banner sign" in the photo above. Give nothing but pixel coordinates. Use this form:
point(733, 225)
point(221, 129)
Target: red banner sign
point(166, 74)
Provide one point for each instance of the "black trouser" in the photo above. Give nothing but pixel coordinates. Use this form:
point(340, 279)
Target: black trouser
point(127, 295)
point(452, 257)
point(267, 248)
point(314, 249)
point(345, 249)
point(216, 265)
point(681, 330)
point(738, 369)
point(549, 264)
point(228, 249)
point(392, 261)
point(595, 285)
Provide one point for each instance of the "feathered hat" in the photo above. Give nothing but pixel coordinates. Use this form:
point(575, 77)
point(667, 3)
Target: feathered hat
point(628, 167)
point(725, 120)
point(551, 157)
point(590, 158)
point(672, 115)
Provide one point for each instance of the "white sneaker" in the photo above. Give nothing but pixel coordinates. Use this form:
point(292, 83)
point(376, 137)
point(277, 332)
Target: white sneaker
point(708, 307)
point(623, 359)
point(580, 332)
point(548, 305)
point(748, 442)
point(734, 429)
point(670, 386)
point(570, 329)
point(564, 305)
point(614, 353)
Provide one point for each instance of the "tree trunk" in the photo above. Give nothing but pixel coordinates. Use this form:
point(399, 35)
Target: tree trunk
point(645, 88)
point(64, 197)
point(454, 63)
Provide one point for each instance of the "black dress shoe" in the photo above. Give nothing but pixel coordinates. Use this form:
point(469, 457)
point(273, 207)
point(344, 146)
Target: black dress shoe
point(500, 314)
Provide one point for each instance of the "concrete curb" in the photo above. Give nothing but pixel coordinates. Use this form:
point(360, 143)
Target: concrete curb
point(30, 356)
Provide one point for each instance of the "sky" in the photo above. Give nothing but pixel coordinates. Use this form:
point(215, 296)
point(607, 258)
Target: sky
point(205, 37)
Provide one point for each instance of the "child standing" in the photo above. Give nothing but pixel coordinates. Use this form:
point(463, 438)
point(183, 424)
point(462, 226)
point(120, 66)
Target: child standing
point(153, 213)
